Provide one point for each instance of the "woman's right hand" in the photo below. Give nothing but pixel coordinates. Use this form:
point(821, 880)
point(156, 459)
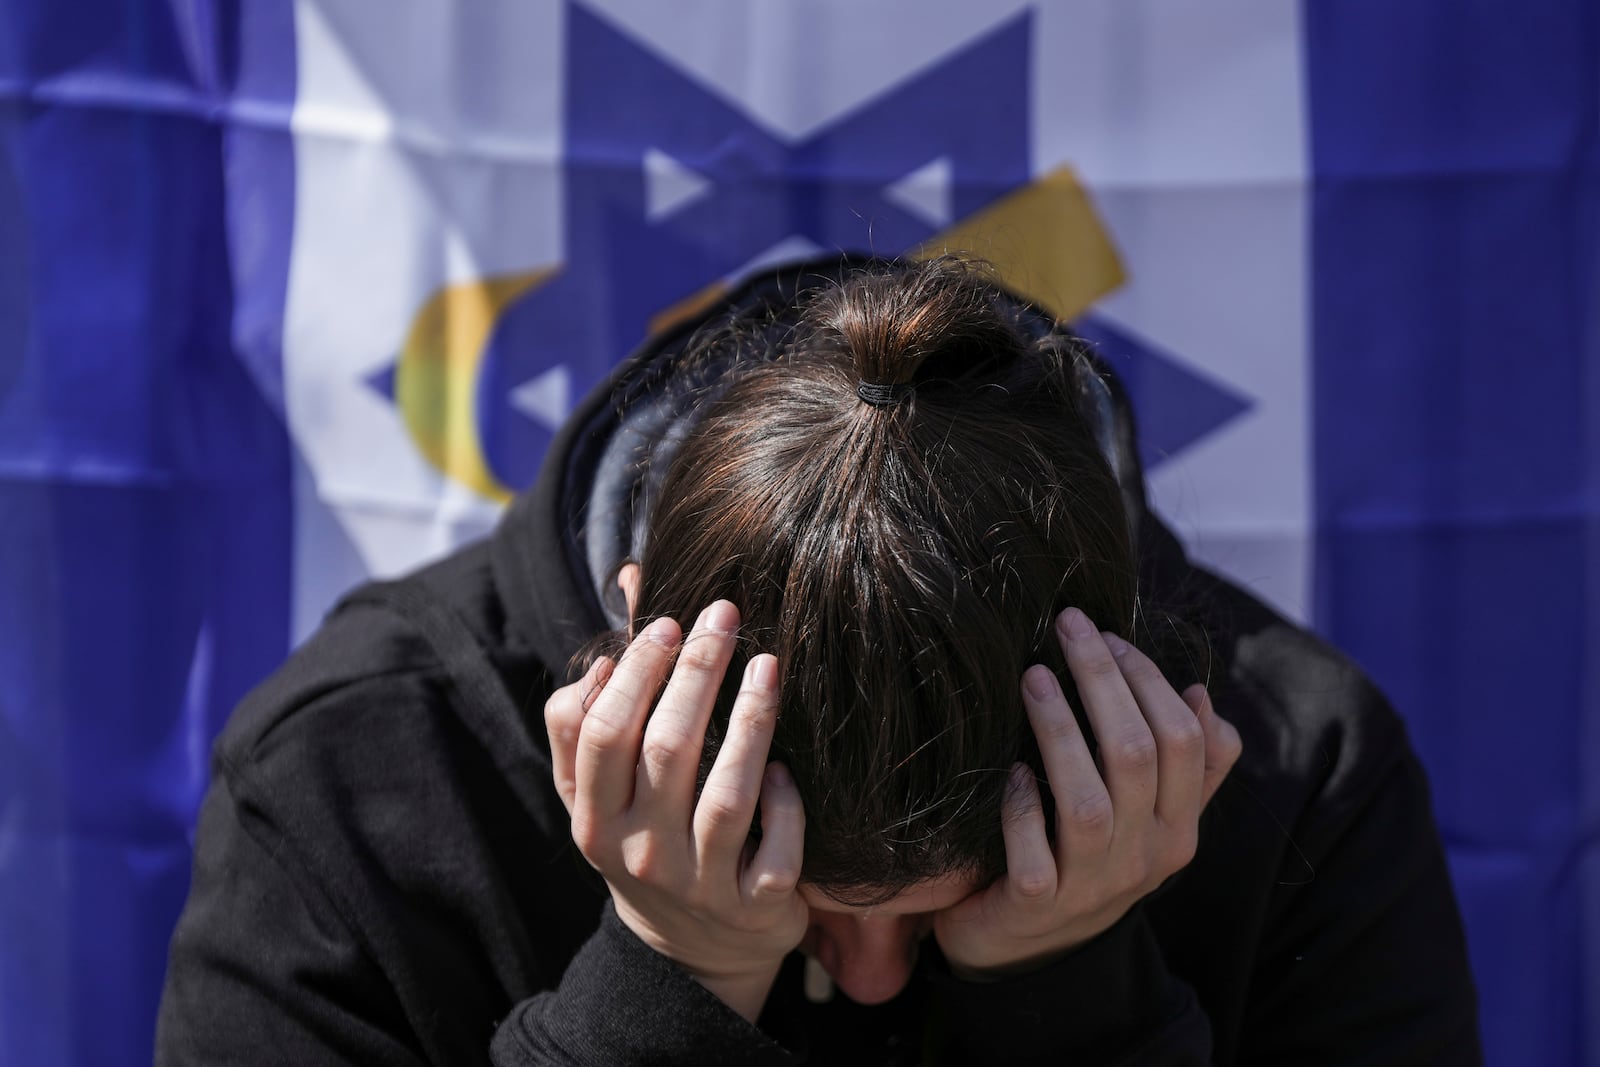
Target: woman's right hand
point(680, 872)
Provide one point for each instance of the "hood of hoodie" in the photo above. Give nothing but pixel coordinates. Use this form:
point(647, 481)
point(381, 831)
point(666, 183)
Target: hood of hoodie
point(559, 545)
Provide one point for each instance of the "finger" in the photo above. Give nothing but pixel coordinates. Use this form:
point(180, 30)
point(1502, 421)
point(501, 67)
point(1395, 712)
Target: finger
point(669, 760)
point(563, 719)
point(1030, 862)
point(1083, 806)
point(728, 801)
point(1127, 747)
point(775, 869)
point(1180, 741)
point(608, 744)
point(1223, 744)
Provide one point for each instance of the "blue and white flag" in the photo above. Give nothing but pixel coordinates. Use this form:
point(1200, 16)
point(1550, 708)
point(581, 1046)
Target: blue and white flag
point(291, 295)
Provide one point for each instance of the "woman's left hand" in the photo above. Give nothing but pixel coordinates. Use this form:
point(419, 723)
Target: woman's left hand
point(1120, 833)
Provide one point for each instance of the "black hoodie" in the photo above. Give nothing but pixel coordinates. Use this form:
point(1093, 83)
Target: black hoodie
point(384, 873)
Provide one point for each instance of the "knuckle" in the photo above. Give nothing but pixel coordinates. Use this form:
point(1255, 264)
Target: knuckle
point(602, 731)
point(778, 879)
point(588, 834)
point(563, 733)
point(1185, 737)
point(725, 805)
point(644, 860)
point(701, 655)
point(561, 705)
point(663, 755)
point(1033, 884)
point(627, 689)
point(754, 713)
point(1137, 668)
point(1097, 665)
point(751, 725)
point(1090, 812)
point(1058, 728)
point(1134, 749)
point(562, 719)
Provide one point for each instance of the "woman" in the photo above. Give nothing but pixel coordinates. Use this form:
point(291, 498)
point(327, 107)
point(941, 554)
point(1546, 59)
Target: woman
point(923, 740)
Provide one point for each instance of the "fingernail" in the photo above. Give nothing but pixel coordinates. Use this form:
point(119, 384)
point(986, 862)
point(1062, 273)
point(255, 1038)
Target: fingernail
point(1039, 681)
point(1117, 645)
point(663, 632)
point(777, 774)
point(1076, 623)
point(761, 673)
point(721, 617)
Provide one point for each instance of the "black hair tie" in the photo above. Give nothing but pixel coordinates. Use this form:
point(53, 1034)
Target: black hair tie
point(883, 394)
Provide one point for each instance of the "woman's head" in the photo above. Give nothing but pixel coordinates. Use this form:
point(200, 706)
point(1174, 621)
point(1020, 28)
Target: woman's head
point(902, 558)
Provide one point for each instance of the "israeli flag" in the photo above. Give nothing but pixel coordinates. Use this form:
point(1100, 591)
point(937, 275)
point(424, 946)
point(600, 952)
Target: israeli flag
point(294, 295)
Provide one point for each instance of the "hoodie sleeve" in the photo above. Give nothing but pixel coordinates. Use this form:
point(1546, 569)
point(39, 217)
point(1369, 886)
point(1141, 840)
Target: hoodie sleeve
point(1112, 1001)
point(1365, 960)
point(1350, 951)
point(266, 967)
point(620, 1002)
point(1365, 963)
point(262, 968)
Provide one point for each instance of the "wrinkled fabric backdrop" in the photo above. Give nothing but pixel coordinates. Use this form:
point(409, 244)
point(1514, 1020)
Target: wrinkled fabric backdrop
point(295, 294)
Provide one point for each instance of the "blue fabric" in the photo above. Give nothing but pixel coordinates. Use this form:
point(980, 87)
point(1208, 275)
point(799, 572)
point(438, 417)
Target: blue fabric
point(144, 484)
point(1454, 243)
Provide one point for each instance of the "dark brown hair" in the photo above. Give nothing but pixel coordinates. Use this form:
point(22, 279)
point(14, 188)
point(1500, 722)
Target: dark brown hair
point(903, 560)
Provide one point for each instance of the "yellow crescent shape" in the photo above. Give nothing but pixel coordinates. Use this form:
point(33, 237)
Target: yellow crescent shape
point(436, 380)
point(1045, 241)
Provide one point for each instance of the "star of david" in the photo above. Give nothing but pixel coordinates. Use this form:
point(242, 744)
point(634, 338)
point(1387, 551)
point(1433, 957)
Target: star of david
point(669, 186)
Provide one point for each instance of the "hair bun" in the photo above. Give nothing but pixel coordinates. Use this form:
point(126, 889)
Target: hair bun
point(937, 320)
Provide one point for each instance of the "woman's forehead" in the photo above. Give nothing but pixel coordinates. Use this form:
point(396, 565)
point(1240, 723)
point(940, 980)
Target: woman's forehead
point(935, 894)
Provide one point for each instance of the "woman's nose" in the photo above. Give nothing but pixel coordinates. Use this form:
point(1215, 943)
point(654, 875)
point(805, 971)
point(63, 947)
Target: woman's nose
point(869, 958)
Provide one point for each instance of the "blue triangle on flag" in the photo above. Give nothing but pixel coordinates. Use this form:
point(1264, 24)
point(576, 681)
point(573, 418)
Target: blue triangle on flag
point(1175, 405)
point(381, 381)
